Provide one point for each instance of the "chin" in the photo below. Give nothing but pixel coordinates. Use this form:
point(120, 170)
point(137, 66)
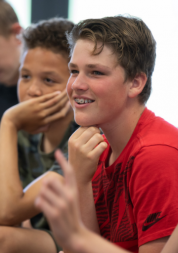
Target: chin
point(85, 122)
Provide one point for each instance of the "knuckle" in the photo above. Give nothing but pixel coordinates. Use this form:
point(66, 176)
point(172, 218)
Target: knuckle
point(63, 207)
point(99, 136)
point(71, 144)
point(77, 146)
point(94, 130)
point(55, 214)
point(89, 156)
point(63, 114)
point(42, 115)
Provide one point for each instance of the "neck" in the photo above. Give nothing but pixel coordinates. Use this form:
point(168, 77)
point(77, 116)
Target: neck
point(119, 131)
point(54, 135)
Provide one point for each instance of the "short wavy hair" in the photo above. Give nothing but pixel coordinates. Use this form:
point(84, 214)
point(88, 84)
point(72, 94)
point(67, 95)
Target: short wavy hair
point(49, 34)
point(128, 37)
point(8, 17)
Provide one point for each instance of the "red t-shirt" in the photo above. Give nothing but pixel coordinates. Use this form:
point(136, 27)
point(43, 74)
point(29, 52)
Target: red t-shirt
point(136, 198)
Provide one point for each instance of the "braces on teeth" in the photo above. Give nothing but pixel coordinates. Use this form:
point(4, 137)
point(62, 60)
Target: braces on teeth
point(83, 101)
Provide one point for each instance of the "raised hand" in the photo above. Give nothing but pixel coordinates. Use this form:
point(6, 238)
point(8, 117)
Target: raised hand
point(59, 202)
point(36, 114)
point(85, 147)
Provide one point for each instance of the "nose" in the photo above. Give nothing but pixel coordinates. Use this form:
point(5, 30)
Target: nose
point(34, 89)
point(80, 83)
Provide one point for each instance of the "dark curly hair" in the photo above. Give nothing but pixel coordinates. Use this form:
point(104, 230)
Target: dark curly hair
point(129, 38)
point(8, 17)
point(49, 34)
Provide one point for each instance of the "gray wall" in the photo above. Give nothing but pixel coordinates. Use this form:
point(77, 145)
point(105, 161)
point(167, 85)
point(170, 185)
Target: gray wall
point(45, 9)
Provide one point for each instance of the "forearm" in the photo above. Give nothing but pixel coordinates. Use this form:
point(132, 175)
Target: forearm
point(87, 207)
point(10, 184)
point(13, 206)
point(89, 242)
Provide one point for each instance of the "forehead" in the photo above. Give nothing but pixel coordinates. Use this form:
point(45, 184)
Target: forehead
point(43, 56)
point(83, 51)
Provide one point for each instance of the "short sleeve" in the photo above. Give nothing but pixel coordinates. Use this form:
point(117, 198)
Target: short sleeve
point(154, 192)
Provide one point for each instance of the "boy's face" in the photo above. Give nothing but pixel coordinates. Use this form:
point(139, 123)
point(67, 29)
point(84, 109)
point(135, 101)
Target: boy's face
point(96, 87)
point(9, 59)
point(41, 72)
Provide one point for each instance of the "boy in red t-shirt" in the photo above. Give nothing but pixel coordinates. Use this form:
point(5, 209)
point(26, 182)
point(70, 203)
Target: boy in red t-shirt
point(129, 197)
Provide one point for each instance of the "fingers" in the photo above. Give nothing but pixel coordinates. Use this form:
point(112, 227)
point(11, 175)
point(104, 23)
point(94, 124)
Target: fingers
point(78, 133)
point(59, 113)
point(94, 147)
point(55, 196)
point(92, 141)
point(83, 134)
point(45, 206)
point(67, 169)
point(51, 107)
point(55, 103)
point(49, 96)
point(87, 138)
point(98, 150)
point(49, 197)
point(52, 190)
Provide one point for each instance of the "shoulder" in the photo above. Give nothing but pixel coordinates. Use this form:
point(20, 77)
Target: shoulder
point(156, 157)
point(158, 132)
point(155, 167)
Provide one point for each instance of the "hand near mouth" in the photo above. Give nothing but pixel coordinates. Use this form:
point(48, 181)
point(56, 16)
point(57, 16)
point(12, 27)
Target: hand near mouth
point(35, 115)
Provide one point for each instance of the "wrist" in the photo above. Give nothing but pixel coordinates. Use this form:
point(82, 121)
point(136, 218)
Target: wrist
point(9, 121)
point(84, 186)
point(78, 242)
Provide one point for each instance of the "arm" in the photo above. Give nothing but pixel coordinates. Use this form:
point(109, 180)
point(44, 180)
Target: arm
point(172, 244)
point(85, 147)
point(31, 115)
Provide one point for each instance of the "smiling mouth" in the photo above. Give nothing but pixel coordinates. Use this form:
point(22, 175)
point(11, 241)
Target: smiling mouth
point(83, 101)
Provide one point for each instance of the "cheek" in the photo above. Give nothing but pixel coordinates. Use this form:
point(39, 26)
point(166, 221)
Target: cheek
point(21, 91)
point(69, 88)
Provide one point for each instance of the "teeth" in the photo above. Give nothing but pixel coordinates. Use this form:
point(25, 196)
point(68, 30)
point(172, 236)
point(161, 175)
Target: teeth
point(83, 101)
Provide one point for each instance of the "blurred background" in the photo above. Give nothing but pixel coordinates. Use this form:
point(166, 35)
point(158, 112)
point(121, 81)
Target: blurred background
point(161, 16)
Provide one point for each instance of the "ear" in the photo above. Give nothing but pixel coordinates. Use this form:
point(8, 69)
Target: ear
point(137, 84)
point(16, 29)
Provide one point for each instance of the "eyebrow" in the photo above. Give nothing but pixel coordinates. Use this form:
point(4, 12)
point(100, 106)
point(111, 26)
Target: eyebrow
point(45, 72)
point(72, 65)
point(24, 69)
point(91, 66)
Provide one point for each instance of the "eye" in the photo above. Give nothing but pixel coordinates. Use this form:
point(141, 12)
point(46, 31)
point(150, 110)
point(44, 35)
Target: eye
point(48, 80)
point(97, 73)
point(26, 77)
point(74, 71)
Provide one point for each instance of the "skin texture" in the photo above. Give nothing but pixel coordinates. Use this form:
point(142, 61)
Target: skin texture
point(44, 107)
point(115, 108)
